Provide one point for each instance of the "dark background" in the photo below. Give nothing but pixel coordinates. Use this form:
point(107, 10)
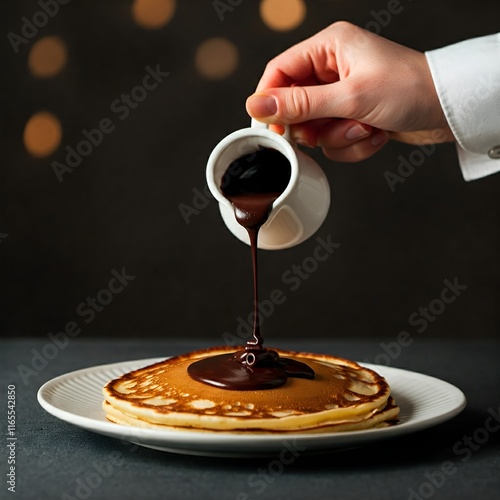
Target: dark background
point(120, 207)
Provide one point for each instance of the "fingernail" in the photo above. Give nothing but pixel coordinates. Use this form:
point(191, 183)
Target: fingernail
point(262, 105)
point(378, 138)
point(356, 132)
point(303, 142)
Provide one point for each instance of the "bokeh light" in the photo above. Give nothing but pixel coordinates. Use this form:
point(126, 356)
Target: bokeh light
point(47, 57)
point(153, 14)
point(42, 134)
point(282, 15)
point(216, 58)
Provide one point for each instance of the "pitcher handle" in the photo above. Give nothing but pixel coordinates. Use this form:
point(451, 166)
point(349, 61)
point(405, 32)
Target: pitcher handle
point(256, 124)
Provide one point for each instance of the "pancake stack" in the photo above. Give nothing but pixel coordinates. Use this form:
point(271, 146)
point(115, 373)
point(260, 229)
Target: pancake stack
point(343, 396)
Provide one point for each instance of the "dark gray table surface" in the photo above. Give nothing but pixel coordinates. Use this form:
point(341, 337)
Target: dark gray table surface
point(459, 459)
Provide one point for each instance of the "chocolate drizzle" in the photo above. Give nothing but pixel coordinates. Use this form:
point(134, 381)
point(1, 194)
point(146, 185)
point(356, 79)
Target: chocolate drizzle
point(252, 184)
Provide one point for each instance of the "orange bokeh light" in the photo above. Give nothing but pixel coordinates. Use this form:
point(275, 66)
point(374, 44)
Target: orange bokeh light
point(47, 57)
point(42, 134)
point(153, 14)
point(216, 58)
point(282, 15)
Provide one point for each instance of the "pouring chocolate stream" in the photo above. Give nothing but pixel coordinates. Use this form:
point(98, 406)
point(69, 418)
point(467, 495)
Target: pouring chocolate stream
point(252, 183)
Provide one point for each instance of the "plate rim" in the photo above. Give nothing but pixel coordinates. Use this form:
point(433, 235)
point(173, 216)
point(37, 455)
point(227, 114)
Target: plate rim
point(174, 438)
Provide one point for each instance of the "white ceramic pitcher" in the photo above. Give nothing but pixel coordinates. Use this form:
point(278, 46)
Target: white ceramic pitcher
point(302, 207)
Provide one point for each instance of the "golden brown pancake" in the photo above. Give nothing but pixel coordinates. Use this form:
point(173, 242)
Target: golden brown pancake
point(342, 396)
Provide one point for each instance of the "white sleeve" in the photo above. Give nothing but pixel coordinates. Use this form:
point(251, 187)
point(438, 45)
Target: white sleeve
point(467, 80)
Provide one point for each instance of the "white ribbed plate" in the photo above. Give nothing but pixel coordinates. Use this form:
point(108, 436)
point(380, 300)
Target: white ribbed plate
point(76, 398)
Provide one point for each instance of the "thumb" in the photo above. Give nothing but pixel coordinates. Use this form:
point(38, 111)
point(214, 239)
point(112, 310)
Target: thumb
point(288, 105)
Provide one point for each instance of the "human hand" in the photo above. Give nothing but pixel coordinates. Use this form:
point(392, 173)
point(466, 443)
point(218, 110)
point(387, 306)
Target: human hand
point(349, 91)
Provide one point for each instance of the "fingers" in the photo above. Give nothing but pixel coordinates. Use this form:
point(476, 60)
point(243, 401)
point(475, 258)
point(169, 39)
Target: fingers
point(307, 133)
point(339, 134)
point(315, 57)
point(289, 105)
point(310, 59)
point(349, 143)
point(341, 140)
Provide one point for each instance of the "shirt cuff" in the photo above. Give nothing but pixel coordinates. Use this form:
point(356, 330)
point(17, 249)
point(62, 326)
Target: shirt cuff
point(467, 80)
point(475, 166)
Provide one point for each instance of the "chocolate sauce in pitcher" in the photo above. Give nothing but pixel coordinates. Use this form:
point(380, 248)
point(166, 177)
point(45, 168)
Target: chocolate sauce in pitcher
point(252, 183)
